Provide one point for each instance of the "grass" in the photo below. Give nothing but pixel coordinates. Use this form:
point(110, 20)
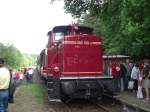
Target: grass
point(38, 91)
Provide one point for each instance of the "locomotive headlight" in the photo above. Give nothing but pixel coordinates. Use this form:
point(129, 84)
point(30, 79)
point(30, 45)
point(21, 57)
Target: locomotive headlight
point(56, 69)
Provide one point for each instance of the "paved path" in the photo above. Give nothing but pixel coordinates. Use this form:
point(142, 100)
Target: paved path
point(129, 98)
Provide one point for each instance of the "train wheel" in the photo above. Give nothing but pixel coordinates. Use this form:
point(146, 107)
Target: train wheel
point(65, 98)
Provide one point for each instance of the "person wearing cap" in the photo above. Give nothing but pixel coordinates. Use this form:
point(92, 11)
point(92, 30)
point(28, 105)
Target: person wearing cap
point(4, 85)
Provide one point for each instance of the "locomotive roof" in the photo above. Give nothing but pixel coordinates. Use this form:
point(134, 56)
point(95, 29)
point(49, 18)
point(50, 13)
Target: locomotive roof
point(68, 28)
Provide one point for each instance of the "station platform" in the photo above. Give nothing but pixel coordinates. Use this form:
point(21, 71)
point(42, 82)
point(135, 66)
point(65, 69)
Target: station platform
point(130, 99)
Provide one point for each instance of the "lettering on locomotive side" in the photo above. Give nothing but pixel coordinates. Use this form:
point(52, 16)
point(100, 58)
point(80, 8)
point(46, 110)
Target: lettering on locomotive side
point(95, 43)
point(72, 60)
point(81, 43)
point(86, 42)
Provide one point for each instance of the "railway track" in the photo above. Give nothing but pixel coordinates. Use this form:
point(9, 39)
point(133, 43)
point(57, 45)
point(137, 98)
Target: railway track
point(84, 106)
point(109, 104)
point(76, 106)
point(102, 107)
point(59, 107)
point(106, 104)
point(109, 107)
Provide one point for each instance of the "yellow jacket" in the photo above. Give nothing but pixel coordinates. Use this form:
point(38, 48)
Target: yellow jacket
point(4, 78)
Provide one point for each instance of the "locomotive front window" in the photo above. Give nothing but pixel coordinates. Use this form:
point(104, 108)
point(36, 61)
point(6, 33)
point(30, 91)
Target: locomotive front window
point(58, 36)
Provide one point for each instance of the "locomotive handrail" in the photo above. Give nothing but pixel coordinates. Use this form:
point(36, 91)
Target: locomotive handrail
point(85, 77)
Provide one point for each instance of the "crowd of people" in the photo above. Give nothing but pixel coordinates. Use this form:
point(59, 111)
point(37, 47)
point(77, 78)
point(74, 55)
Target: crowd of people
point(20, 75)
point(129, 76)
point(9, 80)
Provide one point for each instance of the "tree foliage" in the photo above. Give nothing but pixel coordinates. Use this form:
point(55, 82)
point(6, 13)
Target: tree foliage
point(14, 58)
point(123, 24)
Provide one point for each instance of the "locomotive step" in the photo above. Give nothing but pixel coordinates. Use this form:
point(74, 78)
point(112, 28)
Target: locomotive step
point(53, 99)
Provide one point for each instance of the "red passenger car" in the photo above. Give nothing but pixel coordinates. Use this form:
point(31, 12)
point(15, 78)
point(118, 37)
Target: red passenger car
point(72, 63)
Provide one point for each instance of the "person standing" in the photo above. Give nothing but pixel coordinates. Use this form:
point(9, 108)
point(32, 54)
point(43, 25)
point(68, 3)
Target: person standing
point(146, 77)
point(115, 72)
point(17, 77)
point(12, 88)
point(123, 72)
point(135, 74)
point(4, 85)
point(30, 72)
point(128, 67)
point(21, 77)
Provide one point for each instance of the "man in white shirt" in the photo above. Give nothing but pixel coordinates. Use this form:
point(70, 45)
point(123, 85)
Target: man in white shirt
point(4, 85)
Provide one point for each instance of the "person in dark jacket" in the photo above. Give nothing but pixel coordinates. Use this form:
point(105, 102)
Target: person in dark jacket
point(128, 66)
point(11, 89)
point(123, 76)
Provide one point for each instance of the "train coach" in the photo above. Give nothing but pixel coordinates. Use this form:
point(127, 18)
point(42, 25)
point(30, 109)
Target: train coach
point(72, 64)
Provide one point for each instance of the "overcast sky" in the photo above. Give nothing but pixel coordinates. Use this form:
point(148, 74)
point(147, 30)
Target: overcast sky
point(25, 23)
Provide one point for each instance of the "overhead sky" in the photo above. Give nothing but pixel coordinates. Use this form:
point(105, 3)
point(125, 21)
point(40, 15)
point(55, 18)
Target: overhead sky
point(25, 23)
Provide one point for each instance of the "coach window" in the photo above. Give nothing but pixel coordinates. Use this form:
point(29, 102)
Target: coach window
point(58, 36)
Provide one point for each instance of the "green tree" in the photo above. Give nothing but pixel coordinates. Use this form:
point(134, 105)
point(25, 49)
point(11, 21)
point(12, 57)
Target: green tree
point(123, 24)
point(14, 58)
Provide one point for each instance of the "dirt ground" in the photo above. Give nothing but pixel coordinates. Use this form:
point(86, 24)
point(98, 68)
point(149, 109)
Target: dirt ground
point(25, 101)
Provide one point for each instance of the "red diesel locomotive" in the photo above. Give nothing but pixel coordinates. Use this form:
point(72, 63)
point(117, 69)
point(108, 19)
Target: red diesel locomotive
point(72, 65)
